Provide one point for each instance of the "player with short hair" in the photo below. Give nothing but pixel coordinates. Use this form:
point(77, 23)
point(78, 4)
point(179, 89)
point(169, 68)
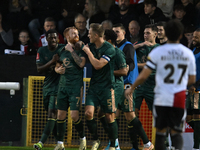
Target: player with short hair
point(46, 61)
point(193, 103)
point(70, 86)
point(121, 69)
point(128, 105)
point(145, 91)
point(101, 91)
point(175, 69)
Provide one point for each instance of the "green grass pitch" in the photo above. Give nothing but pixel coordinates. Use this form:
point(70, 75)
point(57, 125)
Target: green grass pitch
point(28, 148)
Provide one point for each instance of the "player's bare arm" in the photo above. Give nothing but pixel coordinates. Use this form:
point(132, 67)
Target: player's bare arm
point(42, 68)
point(97, 64)
point(141, 78)
point(80, 61)
point(191, 81)
point(122, 71)
point(59, 68)
point(141, 65)
point(147, 43)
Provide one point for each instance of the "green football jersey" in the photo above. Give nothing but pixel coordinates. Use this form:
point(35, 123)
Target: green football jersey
point(142, 54)
point(73, 73)
point(104, 77)
point(44, 55)
point(120, 62)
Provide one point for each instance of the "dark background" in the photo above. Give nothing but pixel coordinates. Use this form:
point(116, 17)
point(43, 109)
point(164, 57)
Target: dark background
point(14, 68)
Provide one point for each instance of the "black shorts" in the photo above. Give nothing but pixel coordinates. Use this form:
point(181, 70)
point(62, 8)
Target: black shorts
point(169, 117)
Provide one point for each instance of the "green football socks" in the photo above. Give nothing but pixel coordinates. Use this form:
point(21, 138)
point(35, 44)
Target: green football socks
point(80, 128)
point(47, 130)
point(61, 127)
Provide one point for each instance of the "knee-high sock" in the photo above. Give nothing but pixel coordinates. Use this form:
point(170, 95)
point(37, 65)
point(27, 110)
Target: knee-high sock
point(61, 127)
point(133, 136)
point(104, 124)
point(177, 141)
point(92, 127)
point(160, 140)
point(47, 130)
point(54, 132)
point(117, 120)
point(113, 133)
point(140, 130)
point(80, 128)
point(196, 134)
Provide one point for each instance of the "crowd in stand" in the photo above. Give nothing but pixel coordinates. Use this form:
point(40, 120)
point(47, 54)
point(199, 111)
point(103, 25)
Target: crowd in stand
point(23, 23)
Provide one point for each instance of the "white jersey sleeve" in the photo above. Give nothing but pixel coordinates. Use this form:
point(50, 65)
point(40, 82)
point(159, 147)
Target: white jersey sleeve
point(192, 68)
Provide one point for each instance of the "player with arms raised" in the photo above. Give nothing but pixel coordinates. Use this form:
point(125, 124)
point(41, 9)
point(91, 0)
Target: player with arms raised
point(175, 69)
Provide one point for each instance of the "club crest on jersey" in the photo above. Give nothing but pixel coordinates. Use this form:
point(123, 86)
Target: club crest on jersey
point(99, 55)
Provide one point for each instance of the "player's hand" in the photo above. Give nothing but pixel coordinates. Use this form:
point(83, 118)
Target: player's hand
point(86, 49)
point(128, 93)
point(61, 69)
point(68, 47)
point(78, 45)
point(192, 90)
point(64, 13)
point(55, 58)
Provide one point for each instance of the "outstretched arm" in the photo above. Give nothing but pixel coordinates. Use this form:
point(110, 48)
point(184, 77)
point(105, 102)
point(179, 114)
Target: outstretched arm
point(140, 79)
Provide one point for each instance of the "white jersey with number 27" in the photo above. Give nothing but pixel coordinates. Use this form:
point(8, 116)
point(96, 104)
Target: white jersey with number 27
point(173, 64)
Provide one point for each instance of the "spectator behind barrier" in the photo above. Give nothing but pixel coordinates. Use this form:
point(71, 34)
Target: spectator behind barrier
point(107, 24)
point(166, 6)
point(19, 15)
point(189, 10)
point(41, 9)
point(123, 13)
point(69, 9)
point(152, 14)
point(188, 33)
point(134, 32)
point(24, 44)
point(49, 23)
point(95, 15)
point(80, 24)
point(6, 35)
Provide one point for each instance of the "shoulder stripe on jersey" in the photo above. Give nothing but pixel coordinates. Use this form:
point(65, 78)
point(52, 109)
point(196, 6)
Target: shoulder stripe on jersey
point(150, 64)
point(151, 61)
point(149, 67)
point(106, 57)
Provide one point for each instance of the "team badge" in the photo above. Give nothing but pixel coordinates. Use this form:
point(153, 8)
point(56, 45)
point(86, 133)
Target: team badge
point(99, 55)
